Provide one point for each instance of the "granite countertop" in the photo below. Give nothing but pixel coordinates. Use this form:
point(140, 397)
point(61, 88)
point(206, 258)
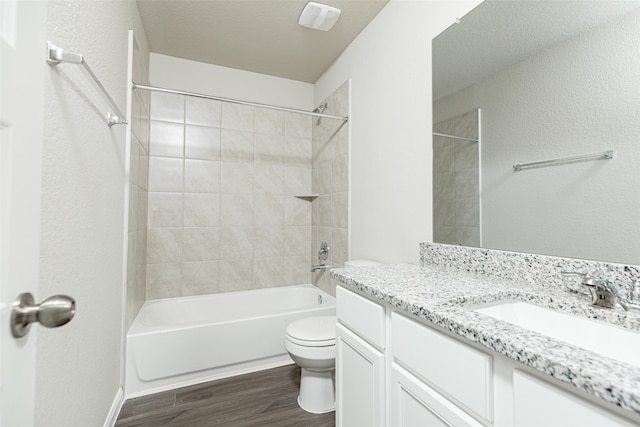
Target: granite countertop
point(445, 296)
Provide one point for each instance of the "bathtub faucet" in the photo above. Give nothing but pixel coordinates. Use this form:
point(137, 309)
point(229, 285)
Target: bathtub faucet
point(315, 268)
point(323, 254)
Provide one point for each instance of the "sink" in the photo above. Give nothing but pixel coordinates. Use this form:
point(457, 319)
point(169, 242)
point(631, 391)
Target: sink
point(602, 338)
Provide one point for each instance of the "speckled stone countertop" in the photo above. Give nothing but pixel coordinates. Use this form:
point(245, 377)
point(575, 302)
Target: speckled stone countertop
point(445, 296)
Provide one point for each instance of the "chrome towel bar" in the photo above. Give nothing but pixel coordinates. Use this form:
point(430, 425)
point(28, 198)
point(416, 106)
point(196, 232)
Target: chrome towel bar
point(603, 155)
point(56, 55)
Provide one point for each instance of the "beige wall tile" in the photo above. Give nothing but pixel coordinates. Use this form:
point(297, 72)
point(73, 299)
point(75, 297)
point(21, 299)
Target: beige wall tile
point(164, 281)
point(201, 244)
point(268, 209)
point(267, 272)
point(340, 247)
point(297, 181)
point(202, 143)
point(269, 122)
point(297, 270)
point(201, 176)
point(236, 242)
point(268, 178)
point(164, 245)
point(201, 210)
point(297, 152)
point(237, 178)
point(200, 277)
point(324, 211)
point(298, 125)
point(237, 146)
point(268, 242)
point(340, 174)
point(167, 107)
point(297, 241)
point(297, 211)
point(269, 149)
point(238, 117)
point(206, 112)
point(165, 174)
point(236, 210)
point(235, 275)
point(339, 210)
point(167, 139)
point(165, 210)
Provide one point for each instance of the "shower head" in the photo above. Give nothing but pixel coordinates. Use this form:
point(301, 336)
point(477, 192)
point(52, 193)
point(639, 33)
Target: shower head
point(321, 108)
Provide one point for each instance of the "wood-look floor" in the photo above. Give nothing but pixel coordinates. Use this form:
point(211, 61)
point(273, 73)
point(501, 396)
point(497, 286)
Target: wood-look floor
point(265, 398)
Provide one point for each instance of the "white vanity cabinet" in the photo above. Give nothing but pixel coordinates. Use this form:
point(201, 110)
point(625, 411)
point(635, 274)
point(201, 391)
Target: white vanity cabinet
point(360, 363)
point(539, 403)
point(434, 378)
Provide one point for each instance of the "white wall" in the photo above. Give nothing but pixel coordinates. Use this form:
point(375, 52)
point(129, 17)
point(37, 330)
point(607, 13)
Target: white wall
point(83, 169)
point(390, 68)
point(181, 74)
point(577, 98)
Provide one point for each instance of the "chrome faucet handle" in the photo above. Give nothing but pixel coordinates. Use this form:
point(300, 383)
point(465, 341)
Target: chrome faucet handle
point(577, 287)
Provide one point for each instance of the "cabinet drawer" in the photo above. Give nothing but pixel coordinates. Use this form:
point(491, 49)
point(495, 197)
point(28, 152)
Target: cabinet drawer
point(364, 317)
point(460, 371)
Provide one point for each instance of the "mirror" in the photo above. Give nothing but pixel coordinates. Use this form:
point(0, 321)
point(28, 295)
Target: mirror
point(531, 81)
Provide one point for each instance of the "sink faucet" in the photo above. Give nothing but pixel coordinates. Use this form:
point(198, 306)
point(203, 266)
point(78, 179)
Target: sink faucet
point(605, 294)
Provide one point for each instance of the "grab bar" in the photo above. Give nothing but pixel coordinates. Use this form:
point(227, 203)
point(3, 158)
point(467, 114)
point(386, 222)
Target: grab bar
point(56, 55)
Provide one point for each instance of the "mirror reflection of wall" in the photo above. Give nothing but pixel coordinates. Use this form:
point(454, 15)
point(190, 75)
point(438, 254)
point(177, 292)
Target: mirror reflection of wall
point(456, 180)
point(578, 95)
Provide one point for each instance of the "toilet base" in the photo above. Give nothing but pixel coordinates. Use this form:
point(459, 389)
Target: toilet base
point(317, 391)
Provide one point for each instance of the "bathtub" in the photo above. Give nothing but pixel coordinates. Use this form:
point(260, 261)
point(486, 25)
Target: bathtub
point(182, 341)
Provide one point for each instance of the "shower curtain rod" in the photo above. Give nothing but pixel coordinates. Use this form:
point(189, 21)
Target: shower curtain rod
point(455, 137)
point(235, 101)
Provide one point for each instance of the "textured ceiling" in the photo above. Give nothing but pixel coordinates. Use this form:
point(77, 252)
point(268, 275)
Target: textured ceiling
point(500, 33)
point(262, 36)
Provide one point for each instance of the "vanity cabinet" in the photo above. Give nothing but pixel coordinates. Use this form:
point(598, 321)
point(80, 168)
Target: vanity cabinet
point(434, 378)
point(539, 403)
point(360, 362)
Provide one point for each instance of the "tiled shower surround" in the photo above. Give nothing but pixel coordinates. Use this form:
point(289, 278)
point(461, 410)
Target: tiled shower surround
point(223, 212)
point(331, 184)
point(138, 179)
point(456, 199)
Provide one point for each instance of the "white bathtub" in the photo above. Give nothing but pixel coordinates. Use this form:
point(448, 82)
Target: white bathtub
point(182, 341)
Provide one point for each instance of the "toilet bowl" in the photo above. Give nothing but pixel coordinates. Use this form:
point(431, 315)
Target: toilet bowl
point(311, 343)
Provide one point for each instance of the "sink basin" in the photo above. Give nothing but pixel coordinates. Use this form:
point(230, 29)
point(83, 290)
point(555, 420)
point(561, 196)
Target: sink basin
point(602, 338)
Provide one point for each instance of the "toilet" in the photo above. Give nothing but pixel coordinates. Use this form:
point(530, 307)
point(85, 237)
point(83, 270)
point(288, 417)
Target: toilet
point(311, 343)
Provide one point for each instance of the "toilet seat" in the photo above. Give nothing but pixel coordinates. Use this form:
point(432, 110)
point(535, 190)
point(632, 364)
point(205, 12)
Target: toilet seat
point(313, 331)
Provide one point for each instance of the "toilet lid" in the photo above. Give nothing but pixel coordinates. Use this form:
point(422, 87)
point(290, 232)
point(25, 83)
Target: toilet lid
point(313, 331)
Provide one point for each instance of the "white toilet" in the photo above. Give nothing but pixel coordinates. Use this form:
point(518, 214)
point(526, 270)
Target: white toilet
point(311, 343)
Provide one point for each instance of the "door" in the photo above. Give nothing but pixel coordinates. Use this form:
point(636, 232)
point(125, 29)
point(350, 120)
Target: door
point(22, 53)
point(360, 385)
point(413, 403)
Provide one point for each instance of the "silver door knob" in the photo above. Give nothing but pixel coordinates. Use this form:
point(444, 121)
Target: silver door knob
point(55, 311)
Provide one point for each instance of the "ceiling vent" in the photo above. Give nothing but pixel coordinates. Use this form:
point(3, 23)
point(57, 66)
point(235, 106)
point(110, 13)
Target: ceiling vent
point(318, 16)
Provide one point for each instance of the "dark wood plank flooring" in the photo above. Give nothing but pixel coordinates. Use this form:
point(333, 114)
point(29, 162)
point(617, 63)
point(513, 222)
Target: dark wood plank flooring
point(265, 398)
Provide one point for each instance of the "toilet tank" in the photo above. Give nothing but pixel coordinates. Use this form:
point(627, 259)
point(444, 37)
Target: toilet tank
point(361, 263)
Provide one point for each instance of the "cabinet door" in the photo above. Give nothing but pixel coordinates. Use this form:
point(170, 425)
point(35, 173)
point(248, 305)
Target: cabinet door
point(360, 383)
point(413, 403)
point(538, 403)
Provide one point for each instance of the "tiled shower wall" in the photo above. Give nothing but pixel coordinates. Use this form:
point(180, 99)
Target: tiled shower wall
point(331, 183)
point(456, 190)
point(223, 215)
point(138, 177)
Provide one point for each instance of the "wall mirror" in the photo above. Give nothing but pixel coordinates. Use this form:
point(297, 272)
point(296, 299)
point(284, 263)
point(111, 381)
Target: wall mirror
point(528, 81)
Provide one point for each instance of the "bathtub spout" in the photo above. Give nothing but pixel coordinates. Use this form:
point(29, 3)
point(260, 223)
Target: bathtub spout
point(315, 268)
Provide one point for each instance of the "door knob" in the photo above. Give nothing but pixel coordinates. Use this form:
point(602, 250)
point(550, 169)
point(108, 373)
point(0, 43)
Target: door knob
point(57, 310)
